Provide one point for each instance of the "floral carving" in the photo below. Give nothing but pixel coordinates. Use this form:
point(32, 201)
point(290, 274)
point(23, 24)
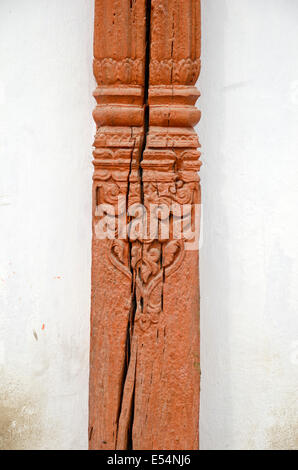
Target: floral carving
point(169, 71)
point(110, 192)
point(118, 255)
point(167, 193)
point(152, 263)
point(109, 71)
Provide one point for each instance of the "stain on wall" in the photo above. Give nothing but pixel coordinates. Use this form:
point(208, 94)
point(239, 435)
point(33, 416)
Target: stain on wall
point(283, 434)
point(21, 417)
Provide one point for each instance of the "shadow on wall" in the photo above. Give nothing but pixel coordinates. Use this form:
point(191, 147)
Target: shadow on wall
point(216, 404)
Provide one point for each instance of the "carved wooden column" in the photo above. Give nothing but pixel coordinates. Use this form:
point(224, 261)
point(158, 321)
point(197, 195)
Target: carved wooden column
point(145, 367)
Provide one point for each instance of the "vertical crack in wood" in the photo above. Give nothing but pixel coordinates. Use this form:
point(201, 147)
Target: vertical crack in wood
point(126, 440)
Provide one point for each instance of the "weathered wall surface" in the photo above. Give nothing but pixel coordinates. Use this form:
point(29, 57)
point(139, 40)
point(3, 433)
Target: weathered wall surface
point(46, 133)
point(249, 259)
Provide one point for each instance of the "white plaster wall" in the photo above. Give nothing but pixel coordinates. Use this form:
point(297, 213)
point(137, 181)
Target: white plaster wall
point(46, 135)
point(249, 259)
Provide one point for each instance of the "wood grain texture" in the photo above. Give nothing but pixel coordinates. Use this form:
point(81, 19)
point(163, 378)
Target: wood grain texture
point(145, 366)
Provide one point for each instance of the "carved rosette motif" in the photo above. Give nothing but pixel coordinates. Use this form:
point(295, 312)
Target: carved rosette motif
point(146, 64)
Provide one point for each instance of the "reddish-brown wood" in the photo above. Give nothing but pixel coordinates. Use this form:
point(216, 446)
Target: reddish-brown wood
point(145, 367)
